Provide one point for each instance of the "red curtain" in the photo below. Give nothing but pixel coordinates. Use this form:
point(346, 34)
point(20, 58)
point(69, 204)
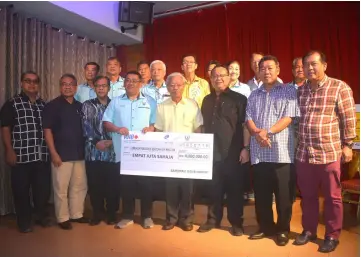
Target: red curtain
point(283, 29)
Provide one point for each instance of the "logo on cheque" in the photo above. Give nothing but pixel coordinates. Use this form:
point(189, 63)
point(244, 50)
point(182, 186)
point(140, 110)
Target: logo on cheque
point(186, 137)
point(131, 137)
point(166, 136)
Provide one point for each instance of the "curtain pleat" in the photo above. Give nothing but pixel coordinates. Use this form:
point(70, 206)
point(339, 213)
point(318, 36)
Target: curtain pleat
point(29, 44)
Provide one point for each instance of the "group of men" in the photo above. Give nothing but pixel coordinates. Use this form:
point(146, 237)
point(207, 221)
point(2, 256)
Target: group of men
point(74, 140)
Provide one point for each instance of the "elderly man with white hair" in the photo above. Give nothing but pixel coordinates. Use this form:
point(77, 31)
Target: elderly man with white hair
point(157, 88)
point(179, 115)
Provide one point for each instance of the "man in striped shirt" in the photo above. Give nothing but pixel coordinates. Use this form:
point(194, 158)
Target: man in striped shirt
point(327, 128)
point(270, 111)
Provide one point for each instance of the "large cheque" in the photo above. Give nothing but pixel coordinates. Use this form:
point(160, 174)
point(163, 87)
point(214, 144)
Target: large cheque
point(172, 155)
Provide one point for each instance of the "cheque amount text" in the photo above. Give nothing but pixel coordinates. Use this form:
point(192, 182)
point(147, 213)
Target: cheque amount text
point(192, 156)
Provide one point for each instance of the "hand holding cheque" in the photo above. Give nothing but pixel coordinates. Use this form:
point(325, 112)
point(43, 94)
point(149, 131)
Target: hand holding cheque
point(174, 155)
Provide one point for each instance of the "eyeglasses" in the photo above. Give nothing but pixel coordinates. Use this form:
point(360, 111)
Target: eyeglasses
point(101, 86)
point(67, 84)
point(219, 76)
point(31, 81)
point(132, 81)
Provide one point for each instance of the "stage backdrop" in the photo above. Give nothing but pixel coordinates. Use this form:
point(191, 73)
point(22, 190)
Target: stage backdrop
point(283, 29)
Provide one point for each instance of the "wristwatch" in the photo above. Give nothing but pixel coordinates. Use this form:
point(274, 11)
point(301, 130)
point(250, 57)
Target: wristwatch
point(349, 144)
point(247, 148)
point(269, 133)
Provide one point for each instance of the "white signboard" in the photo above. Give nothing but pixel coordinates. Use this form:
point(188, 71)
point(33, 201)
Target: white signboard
point(172, 155)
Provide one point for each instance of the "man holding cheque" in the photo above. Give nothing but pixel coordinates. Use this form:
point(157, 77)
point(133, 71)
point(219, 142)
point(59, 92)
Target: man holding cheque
point(178, 115)
point(132, 111)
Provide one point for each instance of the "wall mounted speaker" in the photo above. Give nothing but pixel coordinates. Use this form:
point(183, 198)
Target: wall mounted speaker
point(136, 12)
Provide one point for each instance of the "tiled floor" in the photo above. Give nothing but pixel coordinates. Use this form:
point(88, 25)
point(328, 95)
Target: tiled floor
point(105, 241)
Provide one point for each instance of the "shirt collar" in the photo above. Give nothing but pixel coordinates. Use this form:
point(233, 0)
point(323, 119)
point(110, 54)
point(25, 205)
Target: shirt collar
point(140, 96)
point(153, 85)
point(277, 84)
point(225, 92)
point(196, 79)
point(320, 84)
point(96, 100)
point(26, 98)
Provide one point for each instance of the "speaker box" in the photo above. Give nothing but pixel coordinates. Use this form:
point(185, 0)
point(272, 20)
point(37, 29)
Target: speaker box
point(136, 12)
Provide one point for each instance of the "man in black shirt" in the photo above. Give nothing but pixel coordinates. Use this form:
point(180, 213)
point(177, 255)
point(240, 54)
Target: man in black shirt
point(26, 152)
point(224, 116)
point(62, 121)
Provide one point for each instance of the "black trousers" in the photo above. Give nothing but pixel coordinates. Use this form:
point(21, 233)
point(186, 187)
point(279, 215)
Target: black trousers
point(37, 177)
point(280, 179)
point(179, 200)
point(103, 184)
point(247, 177)
point(132, 188)
point(227, 179)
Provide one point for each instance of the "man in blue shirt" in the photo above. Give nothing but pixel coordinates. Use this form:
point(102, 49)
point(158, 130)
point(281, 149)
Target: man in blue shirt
point(132, 111)
point(86, 91)
point(157, 88)
point(116, 81)
point(270, 111)
point(102, 170)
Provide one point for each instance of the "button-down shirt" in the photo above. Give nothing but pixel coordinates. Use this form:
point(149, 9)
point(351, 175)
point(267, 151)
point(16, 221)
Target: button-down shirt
point(65, 121)
point(25, 122)
point(117, 88)
point(184, 117)
point(93, 111)
point(224, 117)
point(253, 84)
point(159, 94)
point(327, 120)
point(131, 114)
point(241, 88)
point(84, 92)
point(267, 108)
point(196, 90)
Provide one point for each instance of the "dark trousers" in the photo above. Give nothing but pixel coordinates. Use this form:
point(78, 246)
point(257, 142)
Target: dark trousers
point(34, 175)
point(179, 199)
point(280, 179)
point(227, 179)
point(133, 187)
point(247, 177)
point(103, 184)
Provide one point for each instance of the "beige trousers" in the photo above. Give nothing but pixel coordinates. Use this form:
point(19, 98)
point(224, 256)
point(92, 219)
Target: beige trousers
point(70, 189)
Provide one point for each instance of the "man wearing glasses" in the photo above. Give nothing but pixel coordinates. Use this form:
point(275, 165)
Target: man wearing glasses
point(102, 171)
point(157, 88)
point(132, 111)
point(26, 152)
point(224, 114)
point(62, 122)
point(195, 88)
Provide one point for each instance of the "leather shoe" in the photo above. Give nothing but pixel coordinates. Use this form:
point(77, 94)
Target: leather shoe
point(111, 219)
point(65, 225)
point(236, 231)
point(282, 239)
point(80, 220)
point(329, 245)
point(304, 238)
point(94, 221)
point(186, 227)
point(25, 230)
point(45, 222)
point(206, 227)
point(257, 235)
point(168, 226)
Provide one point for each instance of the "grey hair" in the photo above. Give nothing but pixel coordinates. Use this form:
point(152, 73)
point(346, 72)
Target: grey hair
point(175, 74)
point(295, 61)
point(158, 61)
